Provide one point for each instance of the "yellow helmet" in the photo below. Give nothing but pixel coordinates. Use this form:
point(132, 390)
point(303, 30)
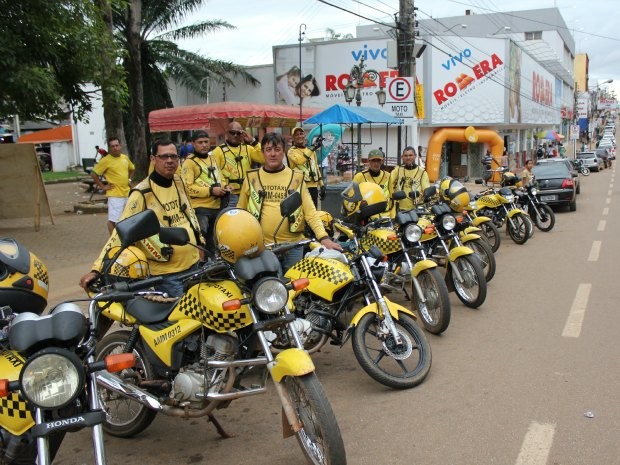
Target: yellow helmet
point(131, 264)
point(328, 222)
point(454, 194)
point(238, 234)
point(509, 179)
point(24, 281)
point(363, 200)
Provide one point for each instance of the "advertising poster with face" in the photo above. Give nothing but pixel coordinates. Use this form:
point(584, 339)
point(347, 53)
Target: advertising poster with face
point(539, 101)
point(292, 82)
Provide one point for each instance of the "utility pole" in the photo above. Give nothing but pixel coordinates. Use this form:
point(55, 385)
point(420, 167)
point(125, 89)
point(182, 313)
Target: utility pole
point(406, 59)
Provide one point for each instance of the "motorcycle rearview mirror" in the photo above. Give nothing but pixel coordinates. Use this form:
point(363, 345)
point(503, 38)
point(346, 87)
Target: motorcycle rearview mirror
point(429, 192)
point(174, 236)
point(137, 227)
point(287, 208)
point(414, 194)
point(399, 195)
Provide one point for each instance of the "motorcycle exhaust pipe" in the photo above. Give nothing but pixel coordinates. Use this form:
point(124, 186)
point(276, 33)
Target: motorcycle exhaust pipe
point(112, 382)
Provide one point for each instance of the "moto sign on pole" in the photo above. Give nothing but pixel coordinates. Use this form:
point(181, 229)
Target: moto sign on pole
point(399, 98)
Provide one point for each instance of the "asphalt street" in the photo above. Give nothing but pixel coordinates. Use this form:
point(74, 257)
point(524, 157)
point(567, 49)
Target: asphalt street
point(530, 378)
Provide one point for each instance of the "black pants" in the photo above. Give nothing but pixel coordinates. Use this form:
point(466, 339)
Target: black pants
point(314, 193)
point(206, 220)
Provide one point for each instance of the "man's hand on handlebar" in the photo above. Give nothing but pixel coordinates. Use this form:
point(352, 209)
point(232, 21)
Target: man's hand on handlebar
point(329, 244)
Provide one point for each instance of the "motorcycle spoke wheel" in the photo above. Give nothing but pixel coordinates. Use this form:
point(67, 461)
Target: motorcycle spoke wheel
point(435, 313)
point(491, 232)
point(124, 417)
point(472, 291)
point(319, 437)
point(399, 366)
point(518, 228)
point(545, 219)
point(485, 254)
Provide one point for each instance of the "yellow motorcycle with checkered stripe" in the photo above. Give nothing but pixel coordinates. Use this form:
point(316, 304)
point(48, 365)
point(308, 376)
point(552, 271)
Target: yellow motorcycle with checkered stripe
point(199, 352)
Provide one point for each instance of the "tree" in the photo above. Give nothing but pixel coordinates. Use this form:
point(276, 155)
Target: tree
point(148, 29)
point(50, 49)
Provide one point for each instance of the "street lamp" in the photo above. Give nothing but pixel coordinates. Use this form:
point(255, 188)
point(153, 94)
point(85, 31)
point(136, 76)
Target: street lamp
point(358, 75)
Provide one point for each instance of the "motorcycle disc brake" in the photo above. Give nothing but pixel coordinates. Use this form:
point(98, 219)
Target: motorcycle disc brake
point(398, 351)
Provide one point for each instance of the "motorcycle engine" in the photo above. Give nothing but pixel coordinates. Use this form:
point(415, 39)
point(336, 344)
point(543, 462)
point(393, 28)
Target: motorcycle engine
point(310, 309)
point(194, 381)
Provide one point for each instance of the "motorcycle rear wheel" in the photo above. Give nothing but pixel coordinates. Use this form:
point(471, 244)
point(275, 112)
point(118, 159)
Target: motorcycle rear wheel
point(545, 219)
point(485, 254)
point(585, 171)
point(320, 438)
point(473, 290)
point(518, 228)
point(435, 313)
point(125, 418)
point(390, 369)
point(492, 233)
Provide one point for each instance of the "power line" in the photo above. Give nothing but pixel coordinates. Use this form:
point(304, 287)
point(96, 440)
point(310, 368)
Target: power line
point(358, 15)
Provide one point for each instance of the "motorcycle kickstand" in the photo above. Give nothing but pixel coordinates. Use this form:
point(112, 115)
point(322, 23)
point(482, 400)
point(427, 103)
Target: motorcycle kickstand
point(220, 429)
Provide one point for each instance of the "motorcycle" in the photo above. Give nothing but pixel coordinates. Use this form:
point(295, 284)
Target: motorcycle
point(485, 224)
point(541, 213)
point(441, 243)
point(199, 352)
point(583, 169)
point(393, 237)
point(48, 368)
point(499, 206)
point(387, 342)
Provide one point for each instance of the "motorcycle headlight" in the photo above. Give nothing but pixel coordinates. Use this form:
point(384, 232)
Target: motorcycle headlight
point(270, 295)
point(509, 198)
point(448, 222)
point(52, 378)
point(413, 233)
point(533, 191)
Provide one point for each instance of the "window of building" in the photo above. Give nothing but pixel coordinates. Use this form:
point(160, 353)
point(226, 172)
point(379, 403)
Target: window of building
point(534, 35)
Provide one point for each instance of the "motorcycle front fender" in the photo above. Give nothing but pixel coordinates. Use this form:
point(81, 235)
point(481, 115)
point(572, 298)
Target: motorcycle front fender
point(422, 265)
point(291, 362)
point(514, 211)
point(394, 308)
point(459, 252)
point(469, 237)
point(477, 221)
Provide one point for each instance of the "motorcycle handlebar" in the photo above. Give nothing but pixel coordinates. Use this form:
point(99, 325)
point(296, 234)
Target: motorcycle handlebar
point(285, 247)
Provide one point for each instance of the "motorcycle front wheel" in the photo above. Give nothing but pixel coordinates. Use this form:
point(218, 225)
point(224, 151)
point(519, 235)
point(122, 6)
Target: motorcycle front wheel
point(399, 366)
point(472, 290)
point(518, 228)
point(124, 417)
point(585, 171)
point(491, 232)
point(319, 437)
point(545, 218)
point(485, 254)
point(435, 311)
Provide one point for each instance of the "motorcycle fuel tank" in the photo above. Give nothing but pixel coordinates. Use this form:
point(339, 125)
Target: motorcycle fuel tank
point(327, 276)
point(384, 238)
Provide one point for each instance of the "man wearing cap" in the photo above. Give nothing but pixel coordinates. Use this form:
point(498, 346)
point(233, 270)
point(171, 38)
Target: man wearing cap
point(375, 174)
point(304, 159)
point(410, 178)
point(205, 185)
point(235, 158)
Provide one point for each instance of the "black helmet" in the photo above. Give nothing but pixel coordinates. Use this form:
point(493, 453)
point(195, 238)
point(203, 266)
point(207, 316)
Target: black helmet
point(509, 179)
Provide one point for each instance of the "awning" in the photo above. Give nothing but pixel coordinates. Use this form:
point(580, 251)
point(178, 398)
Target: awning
point(344, 114)
point(215, 116)
point(59, 134)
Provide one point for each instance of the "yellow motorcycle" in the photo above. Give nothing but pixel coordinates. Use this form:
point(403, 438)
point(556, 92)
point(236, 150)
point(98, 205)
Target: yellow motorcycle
point(199, 352)
point(499, 205)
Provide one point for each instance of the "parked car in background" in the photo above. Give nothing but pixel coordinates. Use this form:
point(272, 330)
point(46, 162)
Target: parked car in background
point(555, 185)
point(591, 161)
point(603, 154)
point(570, 164)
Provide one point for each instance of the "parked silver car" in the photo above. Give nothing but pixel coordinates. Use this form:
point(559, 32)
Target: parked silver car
point(591, 161)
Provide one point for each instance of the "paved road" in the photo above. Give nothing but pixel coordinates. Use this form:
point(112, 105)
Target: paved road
point(510, 383)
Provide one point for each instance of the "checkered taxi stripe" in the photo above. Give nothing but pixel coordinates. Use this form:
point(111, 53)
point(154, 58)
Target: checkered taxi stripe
point(218, 320)
point(386, 246)
point(491, 201)
point(321, 269)
point(14, 406)
point(41, 273)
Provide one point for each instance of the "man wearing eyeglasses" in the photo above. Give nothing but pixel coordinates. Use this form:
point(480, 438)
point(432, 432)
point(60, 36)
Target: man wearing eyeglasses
point(164, 193)
point(205, 184)
point(235, 158)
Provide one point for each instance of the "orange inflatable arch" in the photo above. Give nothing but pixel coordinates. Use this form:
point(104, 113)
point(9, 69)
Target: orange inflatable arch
point(468, 134)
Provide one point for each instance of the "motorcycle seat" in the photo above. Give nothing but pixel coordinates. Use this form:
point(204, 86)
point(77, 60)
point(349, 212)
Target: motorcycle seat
point(147, 311)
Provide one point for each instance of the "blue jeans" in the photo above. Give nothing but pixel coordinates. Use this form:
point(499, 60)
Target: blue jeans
point(172, 284)
point(234, 200)
point(288, 259)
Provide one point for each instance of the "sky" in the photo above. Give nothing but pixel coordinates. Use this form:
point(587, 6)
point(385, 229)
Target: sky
point(264, 23)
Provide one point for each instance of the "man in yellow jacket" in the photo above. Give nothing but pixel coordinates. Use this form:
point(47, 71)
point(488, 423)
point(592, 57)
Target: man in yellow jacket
point(410, 178)
point(375, 174)
point(235, 158)
point(303, 158)
point(263, 191)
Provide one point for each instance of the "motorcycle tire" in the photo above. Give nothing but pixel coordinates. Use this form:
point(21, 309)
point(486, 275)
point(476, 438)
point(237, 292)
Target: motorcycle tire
point(530, 226)
point(518, 228)
point(473, 290)
point(319, 438)
point(384, 361)
point(585, 171)
point(545, 219)
point(492, 234)
point(485, 254)
point(125, 418)
point(435, 313)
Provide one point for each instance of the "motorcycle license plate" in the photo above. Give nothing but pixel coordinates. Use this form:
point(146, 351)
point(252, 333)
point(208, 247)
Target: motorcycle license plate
point(547, 198)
